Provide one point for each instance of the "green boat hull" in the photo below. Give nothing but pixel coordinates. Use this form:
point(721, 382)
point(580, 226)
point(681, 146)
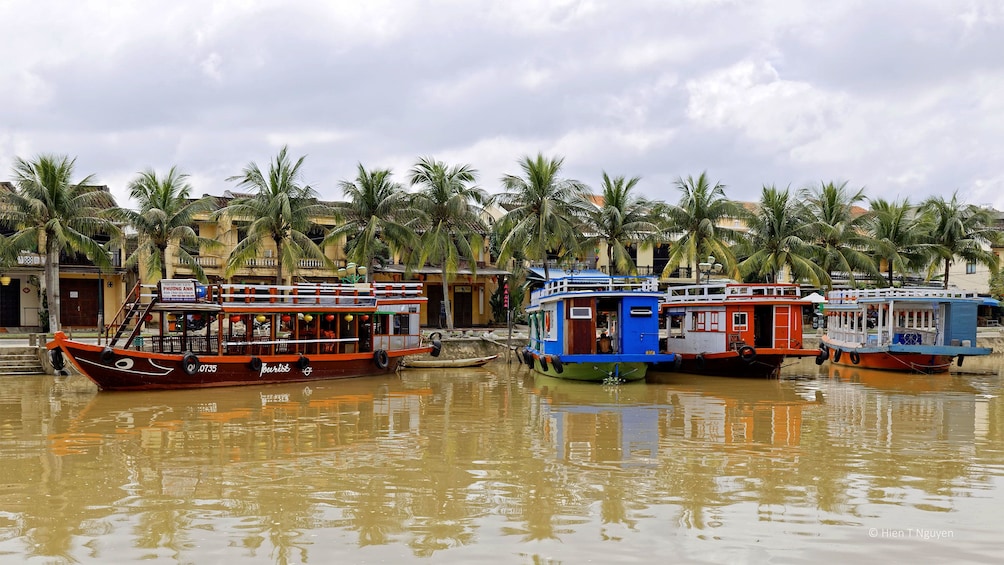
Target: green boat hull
point(594, 372)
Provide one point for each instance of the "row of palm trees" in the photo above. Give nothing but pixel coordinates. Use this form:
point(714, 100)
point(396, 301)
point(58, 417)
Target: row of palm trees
point(809, 234)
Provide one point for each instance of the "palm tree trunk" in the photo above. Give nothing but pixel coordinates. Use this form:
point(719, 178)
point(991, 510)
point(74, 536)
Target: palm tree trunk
point(278, 262)
point(890, 273)
point(610, 259)
point(446, 301)
point(52, 284)
point(163, 261)
point(948, 265)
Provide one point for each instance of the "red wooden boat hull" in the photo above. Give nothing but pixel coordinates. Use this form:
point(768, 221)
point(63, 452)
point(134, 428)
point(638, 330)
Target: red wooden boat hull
point(766, 363)
point(910, 362)
point(126, 369)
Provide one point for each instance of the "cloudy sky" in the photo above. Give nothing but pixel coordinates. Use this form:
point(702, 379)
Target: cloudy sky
point(902, 98)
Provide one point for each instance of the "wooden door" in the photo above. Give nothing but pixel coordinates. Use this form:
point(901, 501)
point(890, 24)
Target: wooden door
point(10, 304)
point(78, 302)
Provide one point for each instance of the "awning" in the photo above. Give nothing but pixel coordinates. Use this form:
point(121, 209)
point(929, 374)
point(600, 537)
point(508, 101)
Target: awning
point(815, 298)
point(991, 302)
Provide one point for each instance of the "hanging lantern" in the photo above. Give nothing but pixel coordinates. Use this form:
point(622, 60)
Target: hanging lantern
point(308, 318)
point(329, 317)
point(348, 317)
point(299, 316)
point(285, 318)
point(260, 318)
point(234, 319)
point(364, 317)
point(148, 318)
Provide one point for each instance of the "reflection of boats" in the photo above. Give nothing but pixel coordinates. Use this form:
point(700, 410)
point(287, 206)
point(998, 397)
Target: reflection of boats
point(734, 329)
point(591, 328)
point(224, 335)
point(895, 382)
point(907, 330)
point(330, 415)
point(446, 363)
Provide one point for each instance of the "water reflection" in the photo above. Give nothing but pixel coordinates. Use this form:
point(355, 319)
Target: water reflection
point(498, 465)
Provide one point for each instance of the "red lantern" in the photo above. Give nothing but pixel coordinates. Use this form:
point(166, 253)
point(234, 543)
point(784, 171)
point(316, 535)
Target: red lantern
point(286, 318)
point(148, 318)
point(364, 317)
point(234, 319)
point(329, 317)
point(196, 316)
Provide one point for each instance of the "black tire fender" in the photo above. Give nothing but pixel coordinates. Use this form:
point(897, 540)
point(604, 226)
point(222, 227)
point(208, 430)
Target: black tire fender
point(190, 363)
point(56, 358)
point(747, 353)
point(435, 336)
point(255, 364)
point(820, 359)
point(543, 363)
point(519, 357)
point(677, 361)
point(437, 347)
point(303, 362)
point(558, 366)
point(961, 357)
point(854, 357)
point(107, 355)
point(700, 361)
point(381, 358)
point(527, 358)
point(836, 355)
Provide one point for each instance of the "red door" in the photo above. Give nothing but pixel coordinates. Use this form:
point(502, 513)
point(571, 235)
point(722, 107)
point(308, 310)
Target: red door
point(78, 302)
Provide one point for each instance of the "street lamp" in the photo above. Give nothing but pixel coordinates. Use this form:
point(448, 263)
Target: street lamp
point(709, 267)
point(352, 274)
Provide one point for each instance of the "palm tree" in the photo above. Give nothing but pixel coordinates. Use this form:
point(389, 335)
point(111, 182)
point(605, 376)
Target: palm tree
point(50, 212)
point(779, 238)
point(623, 218)
point(840, 234)
point(543, 211)
point(375, 218)
point(961, 230)
point(698, 216)
point(450, 218)
point(897, 235)
point(281, 210)
point(166, 216)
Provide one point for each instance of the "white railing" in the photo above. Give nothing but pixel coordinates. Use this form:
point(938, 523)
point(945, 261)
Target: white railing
point(595, 284)
point(324, 294)
point(731, 291)
point(852, 296)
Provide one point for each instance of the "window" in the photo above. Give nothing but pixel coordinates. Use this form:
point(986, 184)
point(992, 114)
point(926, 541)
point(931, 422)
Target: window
point(739, 321)
point(971, 268)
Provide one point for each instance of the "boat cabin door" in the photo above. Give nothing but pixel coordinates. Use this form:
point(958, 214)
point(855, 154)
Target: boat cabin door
point(763, 326)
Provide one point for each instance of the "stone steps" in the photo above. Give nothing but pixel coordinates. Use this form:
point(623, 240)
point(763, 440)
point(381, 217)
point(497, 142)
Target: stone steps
point(18, 362)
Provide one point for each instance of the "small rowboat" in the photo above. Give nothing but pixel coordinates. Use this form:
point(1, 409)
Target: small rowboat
point(446, 363)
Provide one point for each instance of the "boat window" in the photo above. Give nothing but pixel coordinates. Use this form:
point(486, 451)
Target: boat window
point(740, 321)
point(581, 313)
point(675, 325)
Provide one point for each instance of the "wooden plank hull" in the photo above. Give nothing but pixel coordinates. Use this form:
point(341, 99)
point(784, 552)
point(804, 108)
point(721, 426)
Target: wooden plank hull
point(125, 369)
point(447, 363)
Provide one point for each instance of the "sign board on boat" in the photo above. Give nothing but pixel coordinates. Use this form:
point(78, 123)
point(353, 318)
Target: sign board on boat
point(177, 290)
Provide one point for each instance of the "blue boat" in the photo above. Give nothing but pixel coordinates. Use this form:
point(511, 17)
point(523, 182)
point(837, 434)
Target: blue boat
point(595, 328)
point(917, 330)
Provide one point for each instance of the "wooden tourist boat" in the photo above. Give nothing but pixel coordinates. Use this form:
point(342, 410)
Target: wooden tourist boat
point(913, 330)
point(226, 335)
point(595, 328)
point(734, 329)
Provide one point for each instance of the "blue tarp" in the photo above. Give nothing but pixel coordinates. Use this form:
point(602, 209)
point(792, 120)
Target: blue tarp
point(537, 273)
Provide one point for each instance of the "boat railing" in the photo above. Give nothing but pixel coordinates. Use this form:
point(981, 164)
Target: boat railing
point(335, 294)
point(596, 284)
point(241, 344)
point(872, 337)
point(731, 291)
point(852, 296)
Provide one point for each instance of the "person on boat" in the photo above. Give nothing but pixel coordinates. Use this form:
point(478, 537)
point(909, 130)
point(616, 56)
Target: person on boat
point(603, 345)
